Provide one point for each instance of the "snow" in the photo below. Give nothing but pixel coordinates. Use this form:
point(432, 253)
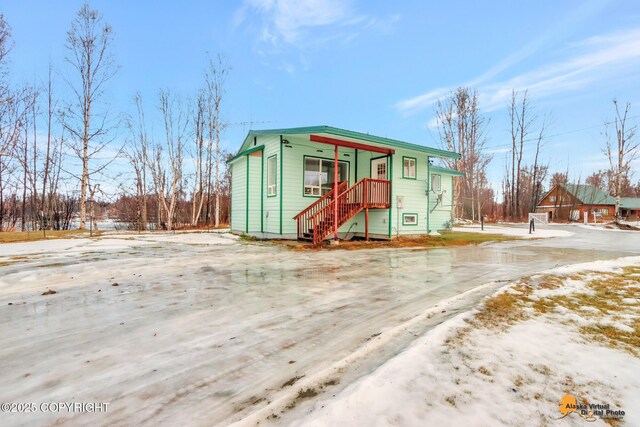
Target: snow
point(494, 377)
point(203, 328)
point(521, 231)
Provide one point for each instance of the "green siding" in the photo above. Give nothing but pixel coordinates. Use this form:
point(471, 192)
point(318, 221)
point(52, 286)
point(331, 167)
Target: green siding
point(271, 210)
point(264, 212)
point(441, 206)
point(238, 195)
point(254, 187)
point(413, 193)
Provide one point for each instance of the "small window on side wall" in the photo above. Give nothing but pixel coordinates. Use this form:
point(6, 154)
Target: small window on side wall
point(272, 176)
point(409, 168)
point(409, 219)
point(436, 183)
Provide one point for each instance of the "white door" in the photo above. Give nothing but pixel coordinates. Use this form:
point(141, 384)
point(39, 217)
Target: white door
point(379, 168)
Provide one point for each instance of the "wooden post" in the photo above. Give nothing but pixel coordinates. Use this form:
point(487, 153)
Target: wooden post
point(366, 210)
point(335, 193)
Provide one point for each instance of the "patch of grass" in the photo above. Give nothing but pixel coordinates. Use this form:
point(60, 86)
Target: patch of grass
point(607, 297)
point(447, 238)
point(501, 310)
point(615, 337)
point(32, 236)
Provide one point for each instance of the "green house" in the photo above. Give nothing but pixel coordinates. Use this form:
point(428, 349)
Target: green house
point(321, 182)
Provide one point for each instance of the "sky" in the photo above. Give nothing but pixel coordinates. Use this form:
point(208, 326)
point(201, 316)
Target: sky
point(369, 66)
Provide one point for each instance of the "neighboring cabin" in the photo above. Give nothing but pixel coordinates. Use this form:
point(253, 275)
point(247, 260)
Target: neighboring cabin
point(284, 181)
point(569, 202)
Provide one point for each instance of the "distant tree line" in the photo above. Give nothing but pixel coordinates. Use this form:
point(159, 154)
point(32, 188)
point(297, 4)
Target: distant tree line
point(462, 129)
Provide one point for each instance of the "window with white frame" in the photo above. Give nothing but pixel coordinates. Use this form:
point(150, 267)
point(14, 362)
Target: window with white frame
point(409, 219)
point(436, 183)
point(272, 176)
point(409, 168)
point(319, 174)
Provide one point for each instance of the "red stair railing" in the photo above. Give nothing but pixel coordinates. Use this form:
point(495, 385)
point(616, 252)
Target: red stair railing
point(318, 219)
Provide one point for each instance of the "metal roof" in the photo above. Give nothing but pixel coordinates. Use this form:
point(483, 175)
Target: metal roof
point(629, 202)
point(589, 194)
point(353, 135)
point(444, 170)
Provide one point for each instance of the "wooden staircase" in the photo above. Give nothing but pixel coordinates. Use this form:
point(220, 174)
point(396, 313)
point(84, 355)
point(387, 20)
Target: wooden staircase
point(316, 222)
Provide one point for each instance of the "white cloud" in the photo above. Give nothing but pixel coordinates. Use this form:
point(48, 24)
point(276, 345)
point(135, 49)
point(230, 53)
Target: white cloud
point(301, 23)
point(600, 58)
point(286, 20)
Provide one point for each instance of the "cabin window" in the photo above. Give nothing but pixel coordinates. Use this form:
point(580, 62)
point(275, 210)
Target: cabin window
point(272, 176)
point(552, 199)
point(436, 183)
point(604, 211)
point(409, 168)
point(409, 219)
point(318, 175)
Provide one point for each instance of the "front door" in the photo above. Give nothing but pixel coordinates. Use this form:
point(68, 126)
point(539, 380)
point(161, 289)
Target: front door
point(379, 168)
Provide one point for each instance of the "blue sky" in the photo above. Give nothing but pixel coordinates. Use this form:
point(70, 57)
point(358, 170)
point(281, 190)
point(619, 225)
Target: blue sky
point(371, 66)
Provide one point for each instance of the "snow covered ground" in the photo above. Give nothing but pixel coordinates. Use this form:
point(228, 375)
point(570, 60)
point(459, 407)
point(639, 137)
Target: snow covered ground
point(469, 371)
point(201, 328)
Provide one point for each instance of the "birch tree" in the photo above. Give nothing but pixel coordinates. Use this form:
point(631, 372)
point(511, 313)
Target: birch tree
point(622, 151)
point(461, 128)
point(202, 158)
point(137, 154)
point(215, 78)
point(89, 54)
point(168, 179)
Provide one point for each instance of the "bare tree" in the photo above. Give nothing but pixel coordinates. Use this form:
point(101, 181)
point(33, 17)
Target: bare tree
point(524, 181)
point(168, 180)
point(137, 153)
point(215, 78)
point(461, 129)
point(202, 159)
point(88, 45)
point(622, 152)
point(44, 206)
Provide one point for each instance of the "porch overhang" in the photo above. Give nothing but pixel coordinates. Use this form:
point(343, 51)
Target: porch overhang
point(350, 144)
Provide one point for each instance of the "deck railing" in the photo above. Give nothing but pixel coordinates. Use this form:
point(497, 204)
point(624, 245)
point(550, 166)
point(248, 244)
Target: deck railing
point(317, 220)
point(304, 217)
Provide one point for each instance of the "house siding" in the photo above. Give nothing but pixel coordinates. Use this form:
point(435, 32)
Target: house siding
point(271, 210)
point(272, 217)
point(255, 186)
point(441, 204)
point(238, 195)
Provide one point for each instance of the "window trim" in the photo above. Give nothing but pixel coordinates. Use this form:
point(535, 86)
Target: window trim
point(275, 185)
point(439, 182)
point(415, 168)
point(304, 161)
point(409, 224)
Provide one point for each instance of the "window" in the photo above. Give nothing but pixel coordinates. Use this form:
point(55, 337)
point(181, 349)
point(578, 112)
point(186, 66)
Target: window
point(318, 175)
point(604, 211)
point(409, 168)
point(552, 199)
point(409, 219)
point(272, 176)
point(436, 183)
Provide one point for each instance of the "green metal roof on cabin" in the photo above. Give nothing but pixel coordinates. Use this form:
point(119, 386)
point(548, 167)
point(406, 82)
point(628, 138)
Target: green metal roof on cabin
point(629, 202)
point(353, 135)
point(444, 170)
point(589, 194)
